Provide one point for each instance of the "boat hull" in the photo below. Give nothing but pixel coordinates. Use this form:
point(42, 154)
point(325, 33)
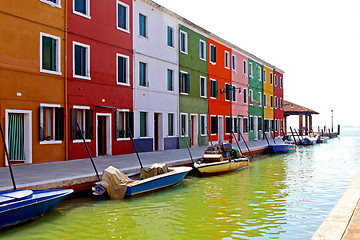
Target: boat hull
point(281, 148)
point(25, 209)
point(223, 166)
point(157, 182)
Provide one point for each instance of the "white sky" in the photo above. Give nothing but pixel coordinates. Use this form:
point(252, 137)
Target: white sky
point(316, 43)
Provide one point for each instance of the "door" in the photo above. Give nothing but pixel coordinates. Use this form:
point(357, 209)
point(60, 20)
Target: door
point(101, 136)
point(240, 128)
point(221, 129)
point(156, 132)
point(16, 137)
point(256, 128)
point(194, 131)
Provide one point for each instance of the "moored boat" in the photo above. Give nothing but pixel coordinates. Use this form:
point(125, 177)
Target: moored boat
point(221, 158)
point(17, 206)
point(281, 148)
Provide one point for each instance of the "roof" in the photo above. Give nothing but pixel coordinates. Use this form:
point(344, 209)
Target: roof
point(295, 109)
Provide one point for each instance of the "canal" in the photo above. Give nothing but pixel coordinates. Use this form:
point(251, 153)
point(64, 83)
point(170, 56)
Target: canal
point(278, 197)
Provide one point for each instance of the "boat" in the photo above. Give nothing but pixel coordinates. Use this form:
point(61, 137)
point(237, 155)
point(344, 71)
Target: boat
point(307, 140)
point(281, 148)
point(221, 158)
point(18, 206)
point(157, 176)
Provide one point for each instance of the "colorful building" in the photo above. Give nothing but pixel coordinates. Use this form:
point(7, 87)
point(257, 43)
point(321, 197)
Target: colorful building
point(193, 83)
point(268, 99)
point(99, 77)
point(256, 110)
point(278, 101)
point(219, 67)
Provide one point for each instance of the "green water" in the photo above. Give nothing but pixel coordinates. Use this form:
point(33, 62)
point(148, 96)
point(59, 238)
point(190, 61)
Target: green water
point(278, 197)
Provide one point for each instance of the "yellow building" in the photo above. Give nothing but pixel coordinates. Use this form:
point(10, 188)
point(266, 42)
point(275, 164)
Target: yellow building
point(268, 98)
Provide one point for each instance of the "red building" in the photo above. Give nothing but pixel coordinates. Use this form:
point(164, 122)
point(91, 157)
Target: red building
point(220, 94)
point(278, 102)
point(99, 73)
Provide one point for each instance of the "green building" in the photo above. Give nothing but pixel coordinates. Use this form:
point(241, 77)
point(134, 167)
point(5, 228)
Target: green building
point(193, 87)
point(256, 110)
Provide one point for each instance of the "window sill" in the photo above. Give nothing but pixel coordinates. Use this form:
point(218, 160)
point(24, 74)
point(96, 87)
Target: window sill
point(122, 139)
point(184, 52)
point(80, 140)
point(123, 84)
point(82, 77)
point(82, 14)
point(123, 29)
point(184, 93)
point(51, 3)
point(45, 142)
point(50, 72)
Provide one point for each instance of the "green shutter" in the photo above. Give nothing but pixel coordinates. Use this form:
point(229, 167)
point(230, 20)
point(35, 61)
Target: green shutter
point(53, 54)
point(89, 126)
point(59, 123)
point(187, 83)
point(73, 124)
point(142, 124)
point(216, 89)
point(16, 137)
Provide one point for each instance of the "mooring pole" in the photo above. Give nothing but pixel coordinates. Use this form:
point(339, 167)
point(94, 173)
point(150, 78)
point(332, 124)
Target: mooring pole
point(245, 144)
point(136, 150)
point(293, 135)
point(7, 157)
point(237, 143)
point(187, 145)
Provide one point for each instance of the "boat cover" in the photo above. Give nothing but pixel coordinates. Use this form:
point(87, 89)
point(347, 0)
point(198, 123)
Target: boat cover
point(115, 182)
point(154, 170)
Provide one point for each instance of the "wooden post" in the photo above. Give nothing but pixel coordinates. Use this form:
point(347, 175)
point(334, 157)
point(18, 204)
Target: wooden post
point(306, 125)
point(300, 124)
point(310, 124)
point(338, 133)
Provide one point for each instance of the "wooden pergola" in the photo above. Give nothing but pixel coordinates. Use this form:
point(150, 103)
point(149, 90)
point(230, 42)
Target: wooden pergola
point(294, 109)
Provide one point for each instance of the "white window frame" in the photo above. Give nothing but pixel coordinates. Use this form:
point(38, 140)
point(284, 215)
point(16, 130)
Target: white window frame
point(211, 79)
point(205, 126)
point(124, 123)
point(233, 62)
point(84, 124)
point(260, 74)
point(265, 100)
point(186, 125)
point(260, 98)
point(281, 82)
point(251, 70)
point(172, 37)
point(87, 77)
point(172, 80)
point(174, 125)
point(214, 134)
point(180, 90)
point(186, 42)
point(245, 67)
point(272, 98)
point(204, 49)
point(127, 16)
point(203, 96)
point(264, 74)
point(146, 75)
point(213, 63)
point(271, 78)
point(227, 60)
point(247, 97)
point(58, 54)
point(127, 69)
point(57, 4)
point(275, 102)
point(251, 96)
point(281, 104)
point(53, 106)
point(87, 15)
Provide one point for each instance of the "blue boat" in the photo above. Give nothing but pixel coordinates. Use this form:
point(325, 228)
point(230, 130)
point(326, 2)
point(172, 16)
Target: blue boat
point(17, 206)
point(281, 148)
point(159, 181)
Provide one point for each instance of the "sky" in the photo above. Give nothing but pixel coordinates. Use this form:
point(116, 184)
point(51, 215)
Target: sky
point(316, 43)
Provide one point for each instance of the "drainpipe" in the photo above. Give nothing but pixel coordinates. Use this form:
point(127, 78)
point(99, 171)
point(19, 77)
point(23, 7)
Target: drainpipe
point(65, 85)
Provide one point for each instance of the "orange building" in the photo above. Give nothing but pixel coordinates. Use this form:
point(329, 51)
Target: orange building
point(32, 83)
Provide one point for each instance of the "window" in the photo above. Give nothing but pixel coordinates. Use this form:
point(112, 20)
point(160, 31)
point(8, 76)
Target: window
point(53, 3)
point(234, 93)
point(233, 62)
point(170, 36)
point(203, 125)
point(123, 122)
point(122, 66)
point(259, 74)
point(281, 82)
point(259, 97)
point(183, 124)
point(227, 60)
point(212, 54)
point(264, 99)
point(250, 69)
point(251, 97)
point(202, 86)
point(271, 101)
point(264, 75)
point(228, 124)
point(170, 80)
point(82, 8)
point(183, 42)
point(271, 78)
point(50, 54)
point(84, 116)
point(142, 25)
point(260, 123)
point(276, 102)
point(281, 104)
point(202, 50)
point(228, 92)
point(184, 83)
point(235, 125)
point(251, 123)
point(171, 117)
point(213, 88)
point(245, 125)
point(142, 74)
point(214, 124)
point(51, 122)
point(123, 17)
point(143, 124)
point(276, 80)
point(266, 123)
point(245, 96)
point(81, 60)
point(244, 67)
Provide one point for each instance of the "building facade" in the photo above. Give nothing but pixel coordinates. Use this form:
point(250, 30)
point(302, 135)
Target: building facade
point(268, 100)
point(278, 102)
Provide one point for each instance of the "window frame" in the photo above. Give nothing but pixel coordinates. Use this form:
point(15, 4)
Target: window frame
point(202, 48)
point(271, 78)
point(172, 80)
point(212, 48)
point(186, 125)
point(185, 42)
point(265, 100)
point(251, 70)
point(172, 37)
point(204, 90)
point(216, 126)
point(264, 75)
point(227, 60)
point(233, 97)
point(87, 57)
point(57, 4)
point(205, 125)
point(53, 139)
point(245, 67)
point(83, 108)
point(251, 97)
point(87, 10)
point(233, 62)
point(171, 126)
point(57, 57)
point(145, 74)
point(271, 101)
point(213, 90)
point(227, 127)
point(123, 111)
point(281, 82)
point(260, 99)
point(245, 90)
point(184, 86)
point(127, 83)
point(145, 27)
point(146, 124)
point(127, 29)
point(259, 74)
point(275, 80)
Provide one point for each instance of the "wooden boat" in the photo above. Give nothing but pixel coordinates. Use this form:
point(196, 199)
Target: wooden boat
point(17, 206)
point(118, 185)
point(221, 158)
point(281, 148)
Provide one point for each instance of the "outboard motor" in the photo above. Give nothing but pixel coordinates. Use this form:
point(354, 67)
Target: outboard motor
point(227, 147)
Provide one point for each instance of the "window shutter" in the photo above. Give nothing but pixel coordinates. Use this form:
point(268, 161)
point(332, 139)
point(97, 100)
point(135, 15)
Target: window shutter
point(234, 93)
point(59, 123)
point(117, 124)
point(41, 123)
point(53, 54)
point(72, 123)
point(216, 89)
point(180, 82)
point(187, 83)
point(89, 124)
point(130, 122)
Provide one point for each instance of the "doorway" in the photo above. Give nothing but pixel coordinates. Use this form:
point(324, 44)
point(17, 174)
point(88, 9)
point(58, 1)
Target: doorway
point(103, 134)
point(221, 129)
point(194, 130)
point(256, 128)
point(158, 132)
